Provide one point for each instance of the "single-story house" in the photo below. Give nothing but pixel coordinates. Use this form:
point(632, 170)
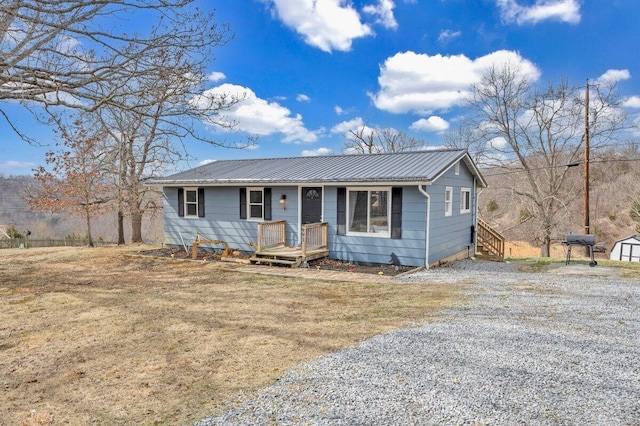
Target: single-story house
point(626, 249)
point(410, 208)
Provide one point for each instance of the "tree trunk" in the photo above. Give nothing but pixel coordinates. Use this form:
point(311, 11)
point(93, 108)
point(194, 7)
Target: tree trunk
point(545, 250)
point(88, 218)
point(120, 227)
point(136, 227)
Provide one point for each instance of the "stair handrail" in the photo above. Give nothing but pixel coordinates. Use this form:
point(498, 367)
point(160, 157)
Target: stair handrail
point(271, 235)
point(491, 238)
point(314, 236)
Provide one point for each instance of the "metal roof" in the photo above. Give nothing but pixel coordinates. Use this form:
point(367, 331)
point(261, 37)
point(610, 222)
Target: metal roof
point(419, 166)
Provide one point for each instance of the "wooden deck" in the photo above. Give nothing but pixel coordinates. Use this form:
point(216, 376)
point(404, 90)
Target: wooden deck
point(271, 248)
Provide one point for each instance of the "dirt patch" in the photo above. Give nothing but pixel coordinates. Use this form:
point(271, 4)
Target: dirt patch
point(337, 265)
point(108, 336)
point(323, 264)
point(524, 249)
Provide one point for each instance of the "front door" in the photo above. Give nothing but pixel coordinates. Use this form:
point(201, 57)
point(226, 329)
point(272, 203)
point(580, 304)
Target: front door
point(311, 205)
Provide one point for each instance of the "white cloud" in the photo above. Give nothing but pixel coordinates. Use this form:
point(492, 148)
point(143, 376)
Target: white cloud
point(61, 98)
point(303, 98)
point(258, 116)
point(316, 152)
point(613, 76)
point(205, 162)
point(498, 143)
point(357, 124)
point(632, 102)
point(542, 10)
point(11, 167)
point(447, 35)
point(341, 111)
point(326, 24)
point(384, 13)
point(216, 76)
point(432, 124)
point(422, 83)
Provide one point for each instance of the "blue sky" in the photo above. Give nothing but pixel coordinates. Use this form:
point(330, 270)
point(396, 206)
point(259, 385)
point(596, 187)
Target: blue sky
point(311, 70)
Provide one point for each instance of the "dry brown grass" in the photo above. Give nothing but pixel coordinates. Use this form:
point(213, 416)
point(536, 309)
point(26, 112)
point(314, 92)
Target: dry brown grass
point(99, 336)
point(524, 249)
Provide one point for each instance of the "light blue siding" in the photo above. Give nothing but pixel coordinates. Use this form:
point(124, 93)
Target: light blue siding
point(448, 235)
point(222, 218)
point(410, 249)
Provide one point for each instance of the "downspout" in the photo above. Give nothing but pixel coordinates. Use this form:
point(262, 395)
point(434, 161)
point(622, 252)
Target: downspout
point(477, 195)
point(426, 241)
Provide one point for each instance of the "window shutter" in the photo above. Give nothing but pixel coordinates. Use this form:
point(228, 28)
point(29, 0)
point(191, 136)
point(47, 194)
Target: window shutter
point(200, 202)
point(342, 211)
point(243, 203)
point(267, 204)
point(396, 213)
point(181, 202)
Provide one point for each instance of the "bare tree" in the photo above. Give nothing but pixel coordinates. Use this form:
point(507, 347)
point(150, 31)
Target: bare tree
point(145, 89)
point(71, 52)
point(366, 140)
point(465, 135)
point(530, 135)
point(164, 103)
point(76, 181)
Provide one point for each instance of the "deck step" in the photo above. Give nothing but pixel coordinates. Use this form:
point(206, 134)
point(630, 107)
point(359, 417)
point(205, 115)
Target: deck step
point(277, 261)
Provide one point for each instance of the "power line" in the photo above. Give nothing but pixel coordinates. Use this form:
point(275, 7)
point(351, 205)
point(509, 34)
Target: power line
point(562, 166)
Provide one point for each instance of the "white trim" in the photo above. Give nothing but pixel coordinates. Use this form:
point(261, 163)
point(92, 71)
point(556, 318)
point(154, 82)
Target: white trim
point(369, 190)
point(448, 205)
point(255, 189)
point(462, 199)
point(427, 227)
point(300, 205)
point(476, 196)
point(274, 184)
point(186, 203)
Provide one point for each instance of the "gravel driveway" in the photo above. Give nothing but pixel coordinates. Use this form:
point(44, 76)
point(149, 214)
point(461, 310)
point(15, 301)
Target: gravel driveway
point(519, 349)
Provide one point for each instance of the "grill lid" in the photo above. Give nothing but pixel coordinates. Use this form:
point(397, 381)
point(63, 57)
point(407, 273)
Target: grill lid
point(581, 239)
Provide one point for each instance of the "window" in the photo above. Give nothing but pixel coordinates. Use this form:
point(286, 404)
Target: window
point(191, 202)
point(369, 211)
point(457, 168)
point(448, 201)
point(256, 203)
point(465, 200)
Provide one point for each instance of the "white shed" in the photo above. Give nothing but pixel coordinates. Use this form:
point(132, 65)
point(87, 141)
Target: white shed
point(626, 249)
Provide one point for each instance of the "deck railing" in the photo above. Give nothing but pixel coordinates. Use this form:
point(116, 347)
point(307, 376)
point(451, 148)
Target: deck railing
point(490, 239)
point(271, 234)
point(314, 236)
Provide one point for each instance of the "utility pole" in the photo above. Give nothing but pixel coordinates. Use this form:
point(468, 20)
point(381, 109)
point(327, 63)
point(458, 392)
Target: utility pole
point(586, 163)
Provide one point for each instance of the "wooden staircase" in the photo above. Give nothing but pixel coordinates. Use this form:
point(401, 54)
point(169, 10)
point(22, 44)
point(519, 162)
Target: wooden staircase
point(272, 250)
point(490, 244)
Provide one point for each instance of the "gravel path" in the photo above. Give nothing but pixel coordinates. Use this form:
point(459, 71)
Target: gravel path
point(534, 349)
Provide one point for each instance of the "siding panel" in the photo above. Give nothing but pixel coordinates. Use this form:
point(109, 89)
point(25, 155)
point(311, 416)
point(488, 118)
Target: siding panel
point(222, 221)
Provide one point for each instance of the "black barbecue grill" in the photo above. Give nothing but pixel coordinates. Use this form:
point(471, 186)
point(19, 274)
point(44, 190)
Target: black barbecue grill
point(584, 240)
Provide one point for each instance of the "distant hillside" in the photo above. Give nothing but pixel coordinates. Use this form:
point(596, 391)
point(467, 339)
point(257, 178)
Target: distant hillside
point(613, 188)
point(14, 211)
